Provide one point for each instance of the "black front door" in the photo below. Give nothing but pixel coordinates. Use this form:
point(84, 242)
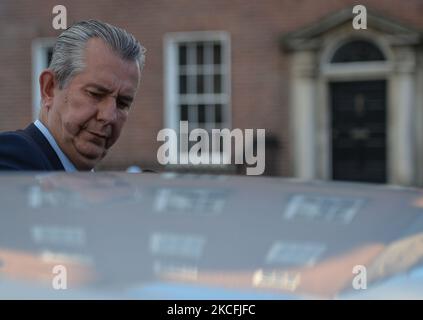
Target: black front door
point(358, 112)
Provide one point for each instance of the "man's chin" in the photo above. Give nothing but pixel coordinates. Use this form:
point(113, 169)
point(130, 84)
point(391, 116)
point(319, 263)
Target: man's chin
point(87, 161)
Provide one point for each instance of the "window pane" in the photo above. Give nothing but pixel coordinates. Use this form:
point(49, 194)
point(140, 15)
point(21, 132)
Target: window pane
point(208, 53)
point(202, 114)
point(200, 53)
point(210, 114)
point(217, 59)
point(184, 112)
point(200, 83)
point(218, 113)
point(182, 84)
point(182, 54)
point(358, 50)
point(208, 83)
point(192, 84)
point(192, 116)
point(217, 83)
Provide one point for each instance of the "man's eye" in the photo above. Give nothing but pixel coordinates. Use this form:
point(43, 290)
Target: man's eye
point(95, 94)
point(123, 105)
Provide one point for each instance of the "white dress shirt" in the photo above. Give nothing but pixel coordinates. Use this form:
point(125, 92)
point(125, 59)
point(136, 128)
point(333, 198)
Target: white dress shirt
point(67, 164)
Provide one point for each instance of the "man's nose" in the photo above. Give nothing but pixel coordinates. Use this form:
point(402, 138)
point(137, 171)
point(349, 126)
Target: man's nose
point(108, 111)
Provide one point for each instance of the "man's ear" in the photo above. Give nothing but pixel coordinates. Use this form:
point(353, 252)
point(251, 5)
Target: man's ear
point(47, 84)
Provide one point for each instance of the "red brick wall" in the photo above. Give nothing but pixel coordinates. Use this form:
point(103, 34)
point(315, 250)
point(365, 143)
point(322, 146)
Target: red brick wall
point(259, 70)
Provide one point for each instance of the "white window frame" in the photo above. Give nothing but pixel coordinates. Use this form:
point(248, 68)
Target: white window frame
point(39, 50)
point(171, 85)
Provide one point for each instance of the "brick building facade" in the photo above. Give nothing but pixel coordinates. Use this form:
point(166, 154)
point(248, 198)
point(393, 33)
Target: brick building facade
point(245, 64)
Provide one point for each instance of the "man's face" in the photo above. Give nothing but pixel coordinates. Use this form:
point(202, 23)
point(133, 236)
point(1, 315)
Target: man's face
point(87, 116)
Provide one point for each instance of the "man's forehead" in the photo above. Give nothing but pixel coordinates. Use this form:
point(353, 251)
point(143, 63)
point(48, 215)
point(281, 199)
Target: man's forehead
point(108, 80)
point(97, 51)
point(107, 68)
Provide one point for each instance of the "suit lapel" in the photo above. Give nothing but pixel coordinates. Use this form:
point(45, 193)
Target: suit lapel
point(45, 146)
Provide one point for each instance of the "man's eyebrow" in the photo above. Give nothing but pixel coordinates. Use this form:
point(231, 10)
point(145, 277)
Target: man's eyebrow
point(99, 87)
point(103, 89)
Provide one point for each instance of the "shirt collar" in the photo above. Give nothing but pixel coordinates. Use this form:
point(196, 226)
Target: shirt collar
point(67, 164)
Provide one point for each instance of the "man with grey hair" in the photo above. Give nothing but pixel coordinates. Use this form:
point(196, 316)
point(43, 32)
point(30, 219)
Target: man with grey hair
point(86, 94)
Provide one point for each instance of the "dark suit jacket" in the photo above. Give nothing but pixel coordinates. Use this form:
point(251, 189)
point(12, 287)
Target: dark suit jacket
point(27, 149)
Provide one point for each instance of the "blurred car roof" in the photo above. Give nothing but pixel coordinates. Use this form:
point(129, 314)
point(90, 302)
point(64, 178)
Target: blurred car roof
point(173, 236)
